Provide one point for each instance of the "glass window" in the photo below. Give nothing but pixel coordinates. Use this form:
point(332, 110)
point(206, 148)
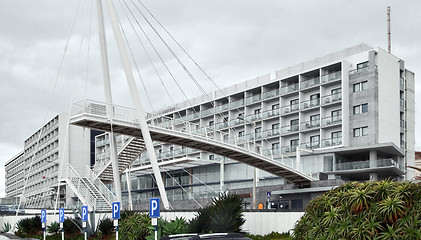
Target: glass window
point(314, 96)
point(362, 65)
point(314, 141)
point(336, 135)
point(241, 133)
point(293, 102)
point(357, 87)
point(364, 108)
point(275, 145)
point(294, 122)
point(294, 142)
point(275, 126)
point(336, 91)
point(364, 131)
point(357, 132)
point(275, 106)
point(257, 111)
point(211, 123)
point(364, 85)
point(357, 110)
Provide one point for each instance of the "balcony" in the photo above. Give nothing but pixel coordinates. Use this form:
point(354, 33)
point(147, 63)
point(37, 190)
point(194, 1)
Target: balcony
point(192, 116)
point(402, 125)
point(310, 125)
point(221, 125)
point(309, 83)
point(270, 113)
point(310, 145)
point(331, 77)
point(221, 108)
point(207, 112)
point(290, 88)
point(253, 117)
point(289, 149)
point(290, 108)
point(290, 129)
point(270, 94)
point(237, 103)
point(331, 98)
point(388, 162)
point(270, 133)
point(331, 142)
point(310, 103)
point(333, 120)
point(253, 99)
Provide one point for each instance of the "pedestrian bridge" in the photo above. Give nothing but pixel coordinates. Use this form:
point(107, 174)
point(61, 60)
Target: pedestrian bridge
point(123, 120)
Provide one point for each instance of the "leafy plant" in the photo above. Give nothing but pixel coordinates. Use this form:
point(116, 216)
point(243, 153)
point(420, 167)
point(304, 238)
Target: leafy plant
point(28, 226)
point(53, 228)
point(72, 226)
point(6, 227)
point(135, 227)
point(370, 210)
point(106, 227)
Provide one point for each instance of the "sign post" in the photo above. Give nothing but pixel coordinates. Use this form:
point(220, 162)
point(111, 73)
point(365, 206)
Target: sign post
point(85, 219)
point(116, 216)
point(44, 222)
point(154, 213)
point(61, 221)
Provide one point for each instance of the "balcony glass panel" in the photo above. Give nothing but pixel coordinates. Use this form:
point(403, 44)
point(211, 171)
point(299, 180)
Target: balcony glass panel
point(331, 77)
point(270, 133)
point(290, 108)
point(271, 93)
point(311, 145)
point(207, 112)
point(331, 120)
point(331, 142)
point(288, 149)
point(221, 125)
point(270, 113)
point(388, 162)
point(290, 129)
point(310, 103)
point(192, 116)
point(222, 108)
point(310, 82)
point(310, 124)
point(237, 103)
point(331, 98)
point(253, 99)
point(253, 117)
point(289, 88)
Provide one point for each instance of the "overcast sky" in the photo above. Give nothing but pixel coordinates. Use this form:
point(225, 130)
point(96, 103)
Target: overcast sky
point(231, 40)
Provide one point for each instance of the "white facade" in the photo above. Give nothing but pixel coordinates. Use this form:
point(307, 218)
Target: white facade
point(38, 166)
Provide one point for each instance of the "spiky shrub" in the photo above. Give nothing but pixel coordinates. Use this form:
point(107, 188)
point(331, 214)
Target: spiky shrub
point(135, 227)
point(29, 226)
point(72, 226)
point(370, 210)
point(224, 214)
point(106, 227)
point(53, 228)
point(6, 227)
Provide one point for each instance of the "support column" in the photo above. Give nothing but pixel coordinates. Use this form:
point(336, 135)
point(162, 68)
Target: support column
point(129, 189)
point(108, 99)
point(221, 175)
point(136, 101)
point(373, 164)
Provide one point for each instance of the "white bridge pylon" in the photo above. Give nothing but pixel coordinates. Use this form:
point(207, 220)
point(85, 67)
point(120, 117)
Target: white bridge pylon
point(94, 115)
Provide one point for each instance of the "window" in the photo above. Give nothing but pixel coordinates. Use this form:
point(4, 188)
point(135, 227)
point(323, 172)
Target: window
point(294, 122)
point(294, 144)
point(361, 86)
point(362, 131)
point(336, 115)
point(275, 106)
point(314, 141)
point(315, 120)
point(363, 108)
point(275, 126)
point(336, 91)
point(257, 111)
point(293, 102)
point(362, 65)
point(211, 157)
point(258, 132)
point(211, 123)
point(336, 136)
point(241, 134)
point(275, 146)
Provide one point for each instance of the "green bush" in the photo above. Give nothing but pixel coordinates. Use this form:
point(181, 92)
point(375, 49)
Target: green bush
point(134, 227)
point(29, 226)
point(53, 228)
point(271, 236)
point(105, 227)
point(369, 210)
point(223, 215)
point(6, 227)
point(72, 226)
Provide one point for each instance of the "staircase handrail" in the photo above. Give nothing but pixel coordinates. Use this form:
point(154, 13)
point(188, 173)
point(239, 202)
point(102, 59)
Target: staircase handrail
point(70, 173)
point(103, 167)
point(103, 189)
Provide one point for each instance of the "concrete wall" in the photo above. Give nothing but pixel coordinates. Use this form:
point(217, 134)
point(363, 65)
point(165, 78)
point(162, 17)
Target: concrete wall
point(256, 222)
point(410, 122)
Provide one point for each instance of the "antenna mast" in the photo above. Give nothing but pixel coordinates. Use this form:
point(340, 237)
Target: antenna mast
point(389, 42)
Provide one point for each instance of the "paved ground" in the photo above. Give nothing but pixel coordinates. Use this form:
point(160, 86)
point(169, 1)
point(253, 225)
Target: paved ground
point(7, 236)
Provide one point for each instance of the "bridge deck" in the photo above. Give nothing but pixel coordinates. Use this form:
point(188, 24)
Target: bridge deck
point(99, 122)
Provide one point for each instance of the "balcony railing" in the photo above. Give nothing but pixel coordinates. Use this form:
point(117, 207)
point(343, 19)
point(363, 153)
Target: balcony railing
point(270, 113)
point(310, 82)
point(289, 149)
point(310, 124)
point(388, 162)
point(253, 99)
point(207, 112)
point(192, 116)
point(290, 129)
point(310, 103)
point(269, 94)
point(311, 145)
point(360, 70)
point(253, 117)
point(290, 88)
point(237, 103)
point(331, 142)
point(222, 108)
point(331, 120)
point(331, 98)
point(270, 133)
point(290, 108)
point(331, 77)
point(221, 125)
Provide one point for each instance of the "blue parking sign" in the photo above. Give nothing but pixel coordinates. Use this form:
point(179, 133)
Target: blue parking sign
point(154, 208)
point(43, 216)
point(61, 215)
point(116, 210)
point(84, 213)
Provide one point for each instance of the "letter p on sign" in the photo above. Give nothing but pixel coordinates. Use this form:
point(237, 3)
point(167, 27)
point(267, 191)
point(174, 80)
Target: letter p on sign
point(154, 207)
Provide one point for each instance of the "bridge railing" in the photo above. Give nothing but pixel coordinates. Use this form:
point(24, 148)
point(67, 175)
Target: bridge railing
point(178, 125)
